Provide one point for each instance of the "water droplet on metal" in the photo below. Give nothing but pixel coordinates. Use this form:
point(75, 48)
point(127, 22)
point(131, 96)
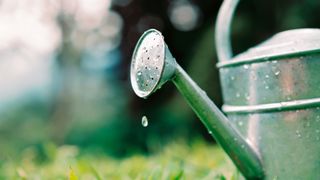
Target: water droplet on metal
point(298, 133)
point(277, 73)
point(267, 76)
point(144, 121)
point(139, 73)
point(246, 66)
point(247, 96)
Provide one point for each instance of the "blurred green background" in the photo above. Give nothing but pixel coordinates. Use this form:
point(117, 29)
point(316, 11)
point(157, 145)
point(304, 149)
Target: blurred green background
point(64, 86)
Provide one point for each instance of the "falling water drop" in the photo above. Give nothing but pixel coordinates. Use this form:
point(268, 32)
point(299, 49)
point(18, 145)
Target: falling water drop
point(144, 121)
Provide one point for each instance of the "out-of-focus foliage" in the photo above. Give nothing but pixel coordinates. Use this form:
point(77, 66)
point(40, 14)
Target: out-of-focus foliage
point(179, 160)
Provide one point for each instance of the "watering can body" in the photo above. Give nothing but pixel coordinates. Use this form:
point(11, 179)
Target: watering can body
point(272, 96)
point(270, 127)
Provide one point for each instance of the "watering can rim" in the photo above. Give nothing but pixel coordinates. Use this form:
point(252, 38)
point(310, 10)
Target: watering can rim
point(281, 47)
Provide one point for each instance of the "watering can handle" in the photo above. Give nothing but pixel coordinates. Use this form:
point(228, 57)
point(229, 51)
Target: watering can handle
point(222, 31)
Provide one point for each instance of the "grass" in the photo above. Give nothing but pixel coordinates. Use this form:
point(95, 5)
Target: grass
point(179, 160)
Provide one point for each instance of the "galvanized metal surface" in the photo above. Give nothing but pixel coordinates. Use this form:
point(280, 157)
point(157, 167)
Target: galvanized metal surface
point(281, 46)
point(152, 64)
point(272, 95)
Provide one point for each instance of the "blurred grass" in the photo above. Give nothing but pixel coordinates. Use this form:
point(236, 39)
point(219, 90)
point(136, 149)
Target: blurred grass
point(179, 160)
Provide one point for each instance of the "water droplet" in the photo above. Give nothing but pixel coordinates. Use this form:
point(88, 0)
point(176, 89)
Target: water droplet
point(274, 61)
point(240, 123)
point(247, 96)
point(267, 87)
point(232, 78)
point(246, 66)
point(144, 121)
point(277, 73)
point(267, 76)
point(238, 94)
point(210, 132)
point(139, 73)
point(298, 133)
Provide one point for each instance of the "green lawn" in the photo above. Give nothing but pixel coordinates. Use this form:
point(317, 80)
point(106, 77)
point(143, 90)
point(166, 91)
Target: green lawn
point(179, 160)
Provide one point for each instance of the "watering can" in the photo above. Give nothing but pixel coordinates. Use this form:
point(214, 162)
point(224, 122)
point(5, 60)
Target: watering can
point(270, 124)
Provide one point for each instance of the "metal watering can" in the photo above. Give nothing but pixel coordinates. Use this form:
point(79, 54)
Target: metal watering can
point(271, 94)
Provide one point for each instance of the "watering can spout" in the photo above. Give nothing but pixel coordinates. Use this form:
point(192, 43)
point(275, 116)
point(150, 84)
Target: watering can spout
point(238, 148)
point(153, 65)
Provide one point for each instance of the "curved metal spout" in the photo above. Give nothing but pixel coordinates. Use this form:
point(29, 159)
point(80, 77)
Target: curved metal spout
point(239, 150)
point(153, 65)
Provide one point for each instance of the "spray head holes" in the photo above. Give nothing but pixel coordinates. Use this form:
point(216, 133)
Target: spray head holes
point(148, 63)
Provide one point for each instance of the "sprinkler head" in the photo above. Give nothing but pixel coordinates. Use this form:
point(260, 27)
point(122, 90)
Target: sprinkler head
point(152, 64)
